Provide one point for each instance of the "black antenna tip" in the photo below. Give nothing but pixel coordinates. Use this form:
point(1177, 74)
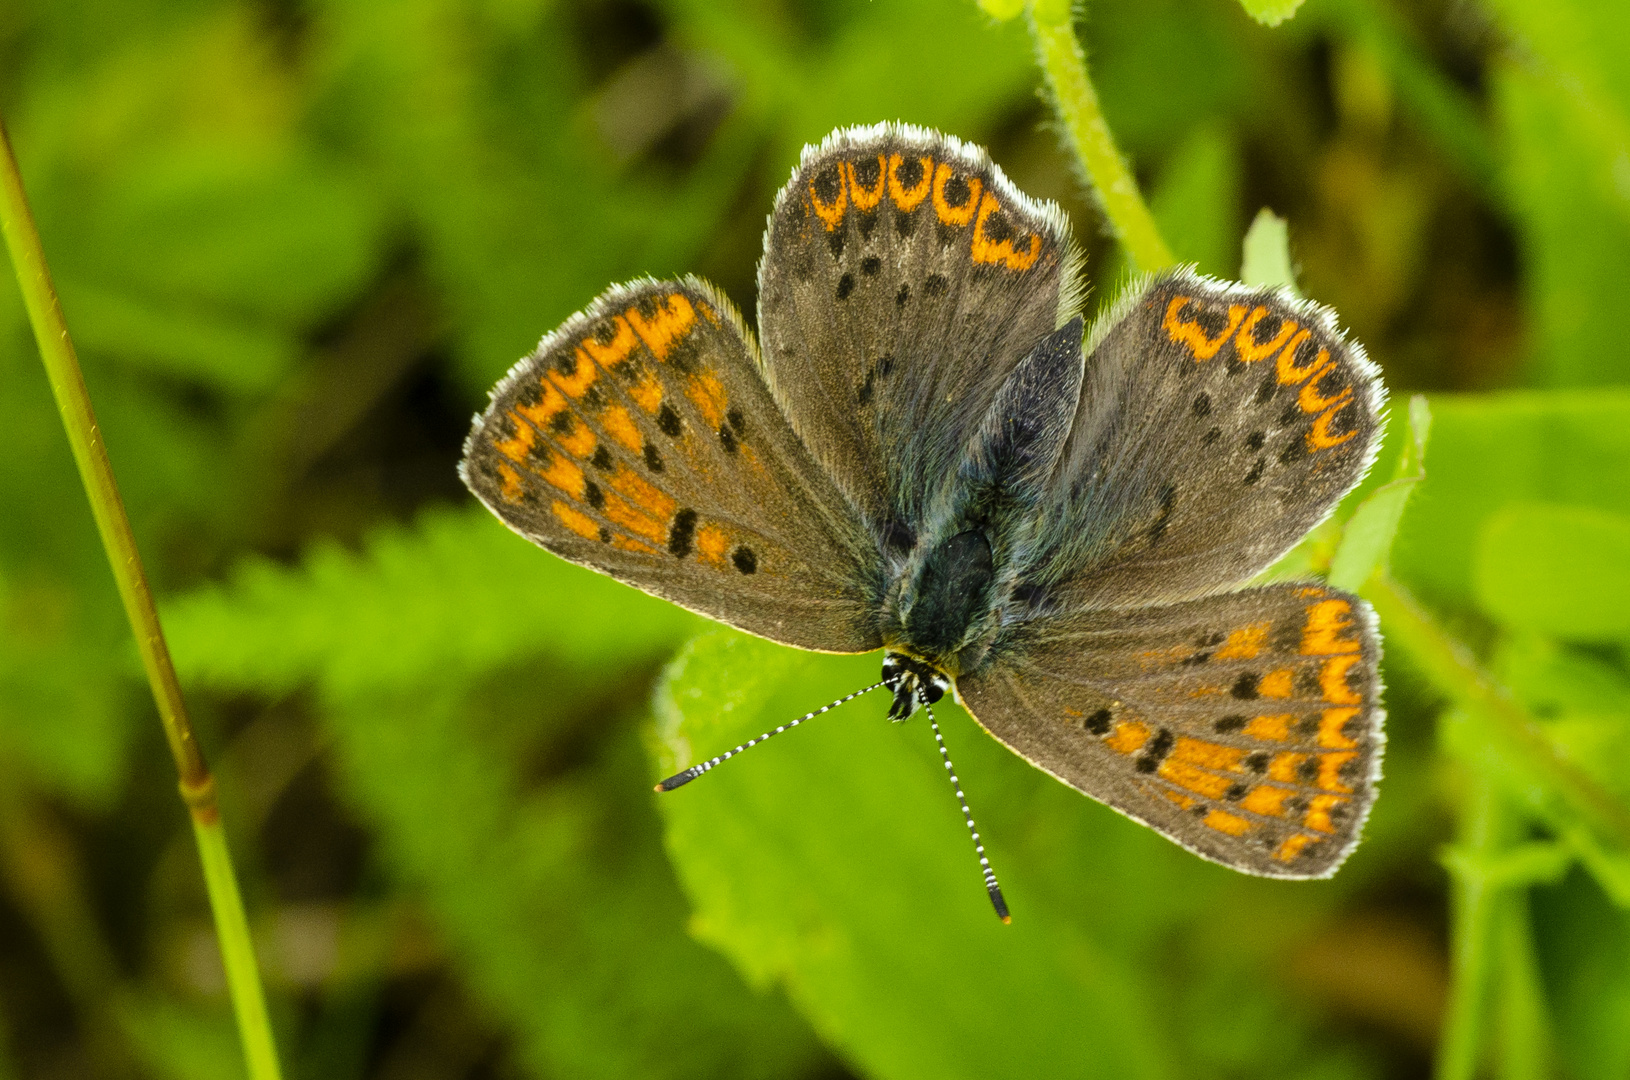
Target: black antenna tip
point(998, 902)
point(679, 779)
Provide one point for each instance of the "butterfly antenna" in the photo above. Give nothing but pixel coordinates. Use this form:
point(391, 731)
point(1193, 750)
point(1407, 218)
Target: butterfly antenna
point(997, 901)
point(683, 778)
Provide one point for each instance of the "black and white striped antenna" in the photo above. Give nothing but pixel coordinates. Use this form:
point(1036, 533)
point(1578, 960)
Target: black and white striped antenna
point(680, 779)
point(997, 901)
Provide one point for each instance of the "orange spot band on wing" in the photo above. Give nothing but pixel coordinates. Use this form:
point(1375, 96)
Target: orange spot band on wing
point(908, 198)
point(955, 215)
point(1194, 779)
point(1265, 799)
point(1128, 737)
point(1331, 726)
point(551, 403)
point(1223, 821)
point(617, 423)
point(1206, 755)
point(1284, 766)
point(1244, 643)
point(1310, 399)
point(706, 392)
point(672, 320)
point(712, 543)
point(986, 250)
point(1274, 728)
point(1293, 845)
point(1276, 684)
point(1245, 342)
point(1333, 680)
point(580, 443)
point(1327, 621)
point(518, 445)
point(1184, 802)
point(563, 474)
point(1288, 371)
point(644, 495)
point(1192, 334)
point(1330, 770)
point(584, 373)
point(866, 198)
point(831, 212)
point(647, 392)
point(625, 514)
point(509, 484)
point(621, 341)
point(575, 520)
point(1318, 813)
point(1320, 438)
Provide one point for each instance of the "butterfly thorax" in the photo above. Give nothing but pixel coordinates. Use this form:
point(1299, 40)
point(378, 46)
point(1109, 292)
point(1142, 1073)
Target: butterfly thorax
point(939, 606)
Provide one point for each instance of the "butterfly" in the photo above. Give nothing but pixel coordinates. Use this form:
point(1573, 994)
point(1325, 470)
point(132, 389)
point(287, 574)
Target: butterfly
point(930, 453)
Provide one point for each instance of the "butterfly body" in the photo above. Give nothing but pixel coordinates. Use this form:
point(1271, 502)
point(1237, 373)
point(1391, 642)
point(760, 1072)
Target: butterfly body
point(933, 455)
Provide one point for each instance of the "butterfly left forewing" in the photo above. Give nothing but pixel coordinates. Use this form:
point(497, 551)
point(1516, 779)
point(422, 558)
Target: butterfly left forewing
point(640, 440)
point(1246, 727)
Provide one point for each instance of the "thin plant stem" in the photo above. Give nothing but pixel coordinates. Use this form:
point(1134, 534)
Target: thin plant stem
point(197, 785)
point(1064, 64)
point(1473, 914)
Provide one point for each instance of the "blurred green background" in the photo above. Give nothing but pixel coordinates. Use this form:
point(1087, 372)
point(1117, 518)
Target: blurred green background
point(296, 241)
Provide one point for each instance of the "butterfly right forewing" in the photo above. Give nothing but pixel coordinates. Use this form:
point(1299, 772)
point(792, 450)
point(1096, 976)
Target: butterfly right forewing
point(1218, 424)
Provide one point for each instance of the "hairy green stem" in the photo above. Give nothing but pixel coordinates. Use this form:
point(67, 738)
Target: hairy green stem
point(1064, 64)
point(84, 437)
point(1473, 914)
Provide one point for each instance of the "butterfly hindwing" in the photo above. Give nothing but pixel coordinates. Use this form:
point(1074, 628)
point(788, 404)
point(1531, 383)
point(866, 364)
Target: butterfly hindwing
point(639, 439)
point(903, 278)
point(1218, 424)
point(1246, 727)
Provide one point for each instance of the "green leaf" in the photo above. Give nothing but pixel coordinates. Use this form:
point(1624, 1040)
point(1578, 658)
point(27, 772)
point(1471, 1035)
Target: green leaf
point(1270, 12)
point(837, 863)
point(1266, 258)
point(1196, 199)
point(1489, 450)
point(176, 1042)
point(1002, 10)
point(1558, 570)
point(1370, 531)
point(555, 898)
point(459, 594)
point(1564, 109)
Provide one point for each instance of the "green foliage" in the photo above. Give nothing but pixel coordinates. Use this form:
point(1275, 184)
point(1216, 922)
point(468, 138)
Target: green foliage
point(1370, 531)
point(1579, 592)
point(296, 244)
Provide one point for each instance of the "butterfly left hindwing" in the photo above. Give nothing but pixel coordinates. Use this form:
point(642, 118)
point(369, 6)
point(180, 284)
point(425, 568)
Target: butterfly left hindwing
point(640, 440)
point(1246, 727)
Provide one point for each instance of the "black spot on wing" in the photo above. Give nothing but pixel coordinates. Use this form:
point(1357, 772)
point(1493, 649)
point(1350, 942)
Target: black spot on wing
point(1155, 751)
point(681, 532)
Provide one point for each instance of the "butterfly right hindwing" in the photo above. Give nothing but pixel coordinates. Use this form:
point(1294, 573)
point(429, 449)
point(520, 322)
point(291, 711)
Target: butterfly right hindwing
point(1246, 727)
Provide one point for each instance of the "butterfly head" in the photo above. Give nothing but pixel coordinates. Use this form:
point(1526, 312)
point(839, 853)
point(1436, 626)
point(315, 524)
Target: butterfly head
point(912, 682)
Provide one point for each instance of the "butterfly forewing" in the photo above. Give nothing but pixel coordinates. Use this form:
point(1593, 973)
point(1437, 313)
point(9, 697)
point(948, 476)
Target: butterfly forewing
point(1246, 727)
point(903, 278)
point(640, 440)
point(1217, 424)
